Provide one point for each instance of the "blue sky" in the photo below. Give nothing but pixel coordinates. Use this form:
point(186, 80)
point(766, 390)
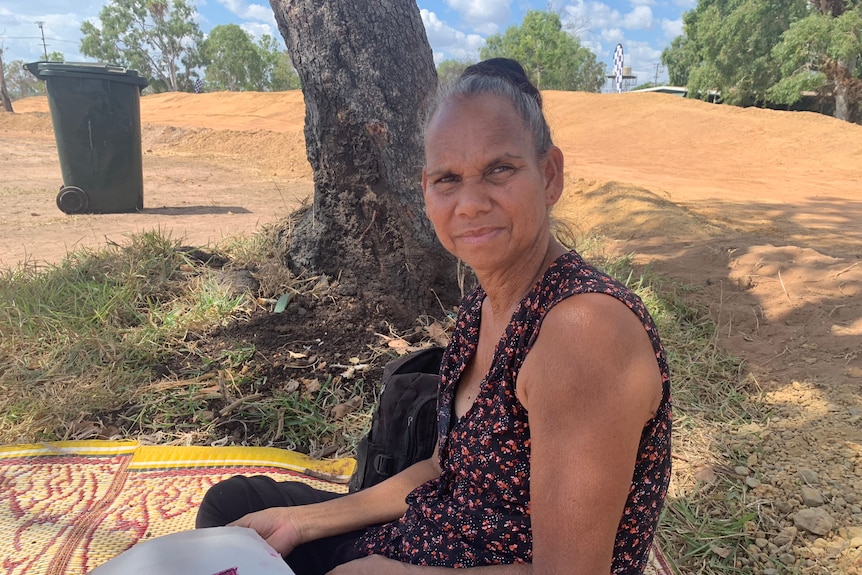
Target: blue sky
point(455, 28)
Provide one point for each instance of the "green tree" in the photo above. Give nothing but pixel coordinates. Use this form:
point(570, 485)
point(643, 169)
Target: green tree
point(821, 53)
point(22, 84)
point(233, 61)
point(554, 59)
point(728, 46)
point(450, 70)
point(278, 67)
point(158, 38)
point(679, 58)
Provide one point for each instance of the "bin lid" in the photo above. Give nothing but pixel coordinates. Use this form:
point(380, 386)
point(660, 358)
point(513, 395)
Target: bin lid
point(86, 70)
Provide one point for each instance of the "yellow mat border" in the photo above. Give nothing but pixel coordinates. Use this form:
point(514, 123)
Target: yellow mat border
point(150, 457)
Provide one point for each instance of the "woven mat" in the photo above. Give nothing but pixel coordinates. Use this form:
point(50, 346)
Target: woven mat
point(67, 507)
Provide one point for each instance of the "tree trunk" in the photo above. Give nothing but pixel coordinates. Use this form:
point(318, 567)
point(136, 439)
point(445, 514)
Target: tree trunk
point(367, 72)
point(4, 95)
point(844, 102)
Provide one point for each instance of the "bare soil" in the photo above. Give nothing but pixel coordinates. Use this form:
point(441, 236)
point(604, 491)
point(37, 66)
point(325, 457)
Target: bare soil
point(757, 212)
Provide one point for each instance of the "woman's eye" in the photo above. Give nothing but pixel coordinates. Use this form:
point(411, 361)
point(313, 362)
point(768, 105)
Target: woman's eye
point(447, 179)
point(501, 170)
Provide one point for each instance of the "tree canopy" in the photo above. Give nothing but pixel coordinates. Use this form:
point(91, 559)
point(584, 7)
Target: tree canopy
point(158, 38)
point(757, 52)
point(450, 70)
point(233, 62)
point(553, 58)
point(22, 84)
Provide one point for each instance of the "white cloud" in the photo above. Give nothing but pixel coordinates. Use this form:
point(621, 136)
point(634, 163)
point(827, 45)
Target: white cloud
point(258, 30)
point(638, 19)
point(449, 43)
point(602, 27)
point(22, 39)
point(671, 28)
point(247, 11)
point(612, 36)
point(643, 59)
point(485, 16)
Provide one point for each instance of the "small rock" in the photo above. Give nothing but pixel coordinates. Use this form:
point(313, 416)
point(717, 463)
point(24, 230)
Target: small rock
point(752, 460)
point(787, 558)
point(761, 543)
point(856, 542)
point(706, 474)
point(785, 536)
point(808, 476)
point(811, 497)
point(741, 470)
point(752, 482)
point(836, 548)
point(770, 571)
point(814, 520)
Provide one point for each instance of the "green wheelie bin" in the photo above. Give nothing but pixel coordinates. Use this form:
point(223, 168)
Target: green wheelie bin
point(96, 113)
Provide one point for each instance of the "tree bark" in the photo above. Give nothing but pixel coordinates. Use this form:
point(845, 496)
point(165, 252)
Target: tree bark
point(846, 98)
point(367, 72)
point(4, 94)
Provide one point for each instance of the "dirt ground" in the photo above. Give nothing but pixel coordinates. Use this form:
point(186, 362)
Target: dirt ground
point(758, 212)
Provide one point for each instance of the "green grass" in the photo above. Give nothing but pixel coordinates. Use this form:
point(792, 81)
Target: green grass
point(85, 337)
point(80, 337)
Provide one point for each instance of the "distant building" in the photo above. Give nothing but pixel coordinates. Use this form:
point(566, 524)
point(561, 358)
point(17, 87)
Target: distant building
point(672, 90)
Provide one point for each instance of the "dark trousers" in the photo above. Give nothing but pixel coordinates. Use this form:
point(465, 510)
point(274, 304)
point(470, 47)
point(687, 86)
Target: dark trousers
point(235, 497)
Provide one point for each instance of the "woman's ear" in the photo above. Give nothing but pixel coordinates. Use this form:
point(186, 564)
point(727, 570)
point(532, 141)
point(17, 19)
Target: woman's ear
point(552, 168)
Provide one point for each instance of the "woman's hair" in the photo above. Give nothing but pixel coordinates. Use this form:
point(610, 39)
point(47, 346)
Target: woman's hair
point(501, 77)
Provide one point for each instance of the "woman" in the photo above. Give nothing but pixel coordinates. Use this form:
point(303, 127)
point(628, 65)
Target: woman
point(553, 452)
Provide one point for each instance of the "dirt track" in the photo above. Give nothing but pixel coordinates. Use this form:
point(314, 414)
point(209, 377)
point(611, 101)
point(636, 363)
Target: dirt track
point(760, 212)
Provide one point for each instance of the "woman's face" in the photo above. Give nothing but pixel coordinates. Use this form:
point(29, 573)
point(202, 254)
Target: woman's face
point(486, 191)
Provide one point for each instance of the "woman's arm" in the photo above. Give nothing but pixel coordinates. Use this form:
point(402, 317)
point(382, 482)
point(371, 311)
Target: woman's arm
point(284, 528)
point(590, 384)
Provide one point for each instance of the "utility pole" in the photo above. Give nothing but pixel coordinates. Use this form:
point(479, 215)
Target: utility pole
point(44, 46)
point(657, 69)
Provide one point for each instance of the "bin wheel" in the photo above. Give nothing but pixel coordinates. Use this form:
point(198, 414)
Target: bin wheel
point(72, 200)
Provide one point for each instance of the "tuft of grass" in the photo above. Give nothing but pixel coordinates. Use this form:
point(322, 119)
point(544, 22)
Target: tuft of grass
point(81, 336)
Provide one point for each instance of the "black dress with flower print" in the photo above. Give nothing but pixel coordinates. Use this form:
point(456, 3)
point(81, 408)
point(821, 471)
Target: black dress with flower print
point(478, 511)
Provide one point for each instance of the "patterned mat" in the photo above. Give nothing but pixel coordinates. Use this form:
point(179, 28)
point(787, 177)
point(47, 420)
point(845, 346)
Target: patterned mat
point(67, 507)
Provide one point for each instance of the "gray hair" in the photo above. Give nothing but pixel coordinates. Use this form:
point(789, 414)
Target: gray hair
point(527, 102)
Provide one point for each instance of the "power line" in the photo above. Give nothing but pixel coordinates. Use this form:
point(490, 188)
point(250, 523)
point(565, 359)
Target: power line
point(38, 38)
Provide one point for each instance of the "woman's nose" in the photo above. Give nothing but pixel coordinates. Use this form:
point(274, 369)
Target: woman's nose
point(473, 199)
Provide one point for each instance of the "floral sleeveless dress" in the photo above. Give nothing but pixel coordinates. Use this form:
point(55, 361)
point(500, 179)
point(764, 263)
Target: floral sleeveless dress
point(478, 511)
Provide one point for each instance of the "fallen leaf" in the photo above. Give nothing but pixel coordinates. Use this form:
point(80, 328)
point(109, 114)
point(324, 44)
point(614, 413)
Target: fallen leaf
point(722, 552)
point(311, 385)
point(349, 406)
point(398, 343)
point(438, 334)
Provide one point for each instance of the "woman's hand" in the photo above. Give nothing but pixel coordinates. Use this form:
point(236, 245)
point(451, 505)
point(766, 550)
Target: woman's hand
point(372, 565)
point(276, 525)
